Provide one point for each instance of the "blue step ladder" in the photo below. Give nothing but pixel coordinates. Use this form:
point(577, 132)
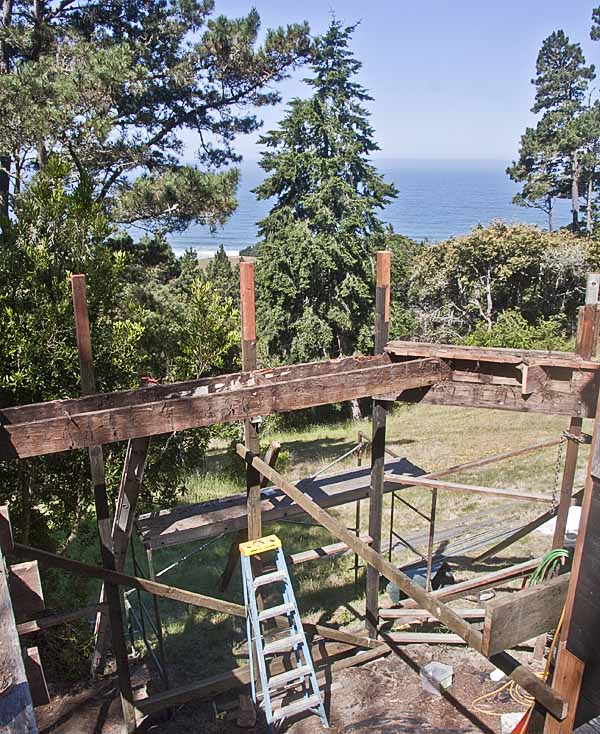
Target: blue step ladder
point(301, 677)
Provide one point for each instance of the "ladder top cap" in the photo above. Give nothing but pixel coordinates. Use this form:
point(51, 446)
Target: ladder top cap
point(260, 545)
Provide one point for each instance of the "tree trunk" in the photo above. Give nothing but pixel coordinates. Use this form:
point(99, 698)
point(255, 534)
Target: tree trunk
point(590, 208)
point(490, 302)
point(575, 193)
point(5, 162)
point(549, 212)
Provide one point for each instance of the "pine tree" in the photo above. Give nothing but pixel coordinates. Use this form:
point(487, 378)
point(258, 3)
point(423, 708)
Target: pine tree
point(552, 156)
point(224, 277)
point(314, 274)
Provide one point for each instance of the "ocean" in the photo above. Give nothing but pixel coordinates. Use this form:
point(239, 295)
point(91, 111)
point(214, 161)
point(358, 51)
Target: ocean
point(437, 199)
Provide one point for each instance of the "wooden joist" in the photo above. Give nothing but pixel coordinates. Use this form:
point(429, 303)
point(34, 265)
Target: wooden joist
point(44, 623)
point(35, 677)
point(499, 355)
point(495, 491)
point(176, 413)
point(208, 519)
point(6, 534)
point(325, 551)
point(408, 616)
point(521, 616)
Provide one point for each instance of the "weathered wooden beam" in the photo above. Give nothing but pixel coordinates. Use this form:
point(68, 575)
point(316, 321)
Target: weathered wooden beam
point(379, 419)
point(325, 551)
point(408, 616)
point(499, 355)
point(6, 533)
point(179, 390)
point(515, 670)
point(96, 457)
point(579, 402)
point(44, 623)
point(26, 590)
point(106, 426)
point(35, 677)
point(513, 494)
point(116, 577)
point(524, 615)
point(16, 707)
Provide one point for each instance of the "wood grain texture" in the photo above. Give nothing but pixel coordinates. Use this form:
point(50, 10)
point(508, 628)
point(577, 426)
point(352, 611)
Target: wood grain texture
point(26, 590)
point(16, 707)
point(515, 618)
point(35, 677)
point(165, 416)
point(566, 681)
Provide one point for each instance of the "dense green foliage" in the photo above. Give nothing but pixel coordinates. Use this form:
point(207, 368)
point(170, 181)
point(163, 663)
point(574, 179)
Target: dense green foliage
point(111, 87)
point(314, 276)
point(149, 312)
point(466, 283)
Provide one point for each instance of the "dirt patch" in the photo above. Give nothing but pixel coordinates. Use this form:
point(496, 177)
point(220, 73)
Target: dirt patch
point(384, 697)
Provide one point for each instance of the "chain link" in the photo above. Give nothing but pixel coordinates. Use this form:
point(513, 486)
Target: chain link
point(557, 467)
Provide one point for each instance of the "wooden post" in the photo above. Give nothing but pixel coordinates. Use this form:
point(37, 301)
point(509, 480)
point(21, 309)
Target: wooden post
point(382, 318)
point(431, 538)
point(88, 387)
point(248, 314)
point(16, 707)
point(587, 336)
point(122, 527)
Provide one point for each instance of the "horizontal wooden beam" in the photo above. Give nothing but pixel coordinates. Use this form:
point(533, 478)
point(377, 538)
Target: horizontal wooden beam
point(513, 494)
point(408, 616)
point(115, 577)
point(579, 403)
point(500, 355)
point(80, 430)
point(44, 623)
point(325, 551)
point(523, 615)
point(523, 675)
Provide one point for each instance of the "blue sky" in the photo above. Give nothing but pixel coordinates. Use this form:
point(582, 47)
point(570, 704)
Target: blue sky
point(449, 79)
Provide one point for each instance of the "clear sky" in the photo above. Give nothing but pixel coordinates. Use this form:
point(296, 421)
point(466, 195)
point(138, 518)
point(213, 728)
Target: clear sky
point(449, 79)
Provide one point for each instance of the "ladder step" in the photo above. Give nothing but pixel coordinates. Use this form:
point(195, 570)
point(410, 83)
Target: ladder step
point(290, 675)
point(269, 578)
point(275, 612)
point(284, 645)
point(297, 707)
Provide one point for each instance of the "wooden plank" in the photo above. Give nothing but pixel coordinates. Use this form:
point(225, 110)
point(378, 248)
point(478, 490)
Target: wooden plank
point(44, 623)
point(514, 494)
point(524, 615)
point(325, 551)
point(208, 519)
point(35, 677)
point(579, 402)
point(26, 590)
point(424, 638)
point(116, 577)
point(500, 355)
point(515, 670)
point(165, 416)
point(534, 379)
point(491, 580)
point(16, 707)
point(379, 419)
point(130, 487)
point(6, 533)
point(566, 681)
point(408, 616)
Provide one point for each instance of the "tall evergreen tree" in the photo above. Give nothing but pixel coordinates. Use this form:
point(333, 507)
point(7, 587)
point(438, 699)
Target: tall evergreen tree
point(551, 156)
point(314, 274)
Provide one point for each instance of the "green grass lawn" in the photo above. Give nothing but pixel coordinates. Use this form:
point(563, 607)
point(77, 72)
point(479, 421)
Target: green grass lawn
point(201, 643)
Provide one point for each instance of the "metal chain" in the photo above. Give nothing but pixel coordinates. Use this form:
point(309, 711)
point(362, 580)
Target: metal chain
point(557, 467)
